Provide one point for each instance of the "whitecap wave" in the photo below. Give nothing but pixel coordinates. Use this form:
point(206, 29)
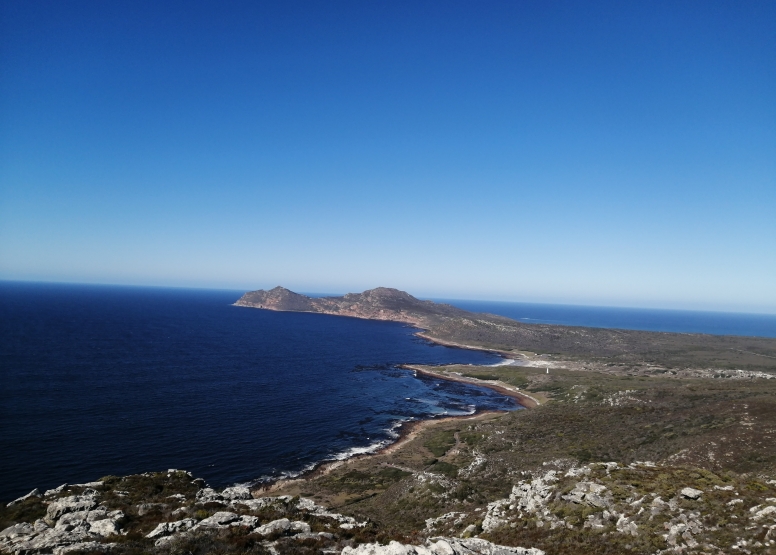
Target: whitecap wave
point(504, 362)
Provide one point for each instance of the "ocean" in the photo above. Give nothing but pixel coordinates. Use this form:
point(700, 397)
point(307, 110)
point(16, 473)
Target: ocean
point(101, 380)
point(646, 319)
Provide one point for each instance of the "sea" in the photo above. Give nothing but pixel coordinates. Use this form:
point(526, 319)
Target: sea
point(646, 319)
point(100, 380)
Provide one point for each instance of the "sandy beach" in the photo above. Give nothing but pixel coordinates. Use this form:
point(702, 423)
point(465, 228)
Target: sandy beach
point(522, 398)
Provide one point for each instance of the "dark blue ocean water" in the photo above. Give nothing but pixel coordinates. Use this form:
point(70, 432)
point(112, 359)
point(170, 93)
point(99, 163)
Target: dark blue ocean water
point(680, 321)
point(111, 380)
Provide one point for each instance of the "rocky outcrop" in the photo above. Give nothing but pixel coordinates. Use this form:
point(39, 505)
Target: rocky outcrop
point(441, 546)
point(74, 503)
point(76, 517)
point(602, 498)
point(72, 523)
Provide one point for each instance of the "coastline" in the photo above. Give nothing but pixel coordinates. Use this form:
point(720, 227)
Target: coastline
point(525, 400)
point(422, 335)
point(408, 430)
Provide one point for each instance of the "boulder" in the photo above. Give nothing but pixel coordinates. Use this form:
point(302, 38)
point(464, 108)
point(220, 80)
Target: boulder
point(105, 527)
point(219, 519)
point(209, 495)
point(691, 493)
point(236, 492)
point(274, 527)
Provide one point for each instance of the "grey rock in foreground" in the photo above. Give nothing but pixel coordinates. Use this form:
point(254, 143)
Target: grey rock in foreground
point(441, 546)
point(71, 523)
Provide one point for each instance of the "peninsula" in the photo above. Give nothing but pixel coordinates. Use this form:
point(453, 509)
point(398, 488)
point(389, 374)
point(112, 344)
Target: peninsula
point(542, 345)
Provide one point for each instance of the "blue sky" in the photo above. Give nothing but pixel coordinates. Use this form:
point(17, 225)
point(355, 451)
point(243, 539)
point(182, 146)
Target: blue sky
point(613, 153)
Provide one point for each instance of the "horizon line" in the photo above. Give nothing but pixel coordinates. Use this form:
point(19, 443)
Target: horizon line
point(422, 297)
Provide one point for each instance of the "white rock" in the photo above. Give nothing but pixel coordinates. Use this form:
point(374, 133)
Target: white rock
point(17, 530)
point(40, 525)
point(762, 513)
point(441, 546)
point(69, 521)
point(167, 528)
point(691, 493)
point(219, 519)
point(527, 497)
point(70, 504)
point(299, 527)
point(246, 520)
point(274, 527)
point(55, 491)
point(236, 492)
point(209, 495)
point(105, 527)
point(96, 484)
point(33, 493)
point(589, 493)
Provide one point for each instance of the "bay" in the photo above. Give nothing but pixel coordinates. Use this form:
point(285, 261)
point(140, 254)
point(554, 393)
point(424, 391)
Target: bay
point(100, 380)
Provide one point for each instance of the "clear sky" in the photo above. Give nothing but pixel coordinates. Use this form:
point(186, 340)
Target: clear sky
point(615, 153)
